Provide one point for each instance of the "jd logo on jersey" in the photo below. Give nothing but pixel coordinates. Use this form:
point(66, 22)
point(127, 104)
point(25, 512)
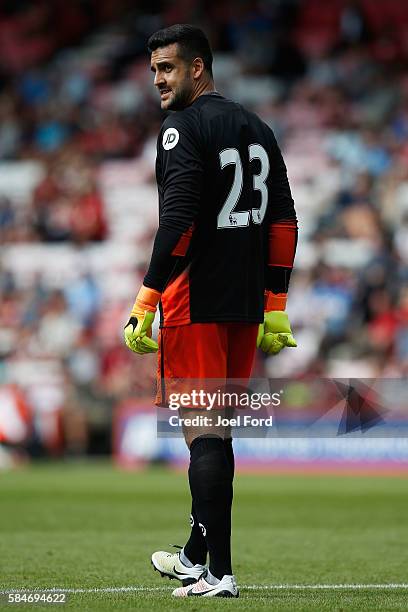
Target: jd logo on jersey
point(170, 138)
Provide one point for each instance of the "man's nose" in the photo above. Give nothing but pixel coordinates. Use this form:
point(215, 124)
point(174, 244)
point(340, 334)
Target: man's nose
point(159, 79)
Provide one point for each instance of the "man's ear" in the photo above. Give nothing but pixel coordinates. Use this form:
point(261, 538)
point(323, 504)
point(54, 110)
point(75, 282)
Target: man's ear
point(197, 67)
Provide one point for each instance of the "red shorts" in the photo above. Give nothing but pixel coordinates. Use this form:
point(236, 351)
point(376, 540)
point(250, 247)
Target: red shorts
point(205, 351)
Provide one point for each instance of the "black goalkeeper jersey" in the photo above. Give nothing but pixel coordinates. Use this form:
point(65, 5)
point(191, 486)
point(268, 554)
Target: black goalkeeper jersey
point(221, 182)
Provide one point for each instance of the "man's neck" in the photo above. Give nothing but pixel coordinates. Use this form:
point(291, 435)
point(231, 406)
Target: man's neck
point(203, 88)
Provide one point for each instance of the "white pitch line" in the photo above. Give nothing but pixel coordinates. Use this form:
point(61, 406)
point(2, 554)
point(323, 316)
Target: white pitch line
point(129, 589)
point(326, 586)
point(271, 587)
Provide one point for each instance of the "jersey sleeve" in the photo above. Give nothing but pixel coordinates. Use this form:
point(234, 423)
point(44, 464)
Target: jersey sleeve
point(282, 205)
point(282, 235)
point(180, 160)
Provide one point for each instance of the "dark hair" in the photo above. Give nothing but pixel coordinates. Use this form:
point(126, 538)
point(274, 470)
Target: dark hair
point(192, 43)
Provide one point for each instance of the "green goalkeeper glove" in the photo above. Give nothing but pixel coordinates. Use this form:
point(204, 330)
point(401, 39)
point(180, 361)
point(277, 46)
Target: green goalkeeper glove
point(275, 333)
point(138, 329)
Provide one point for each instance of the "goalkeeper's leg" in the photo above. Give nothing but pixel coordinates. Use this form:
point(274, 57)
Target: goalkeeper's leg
point(196, 547)
point(195, 352)
point(210, 478)
point(208, 351)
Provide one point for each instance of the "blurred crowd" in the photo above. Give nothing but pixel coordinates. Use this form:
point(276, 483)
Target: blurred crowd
point(78, 123)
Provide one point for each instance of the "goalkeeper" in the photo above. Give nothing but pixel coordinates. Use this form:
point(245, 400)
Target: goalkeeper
point(219, 271)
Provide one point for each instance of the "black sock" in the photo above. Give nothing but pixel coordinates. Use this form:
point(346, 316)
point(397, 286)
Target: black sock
point(210, 477)
point(196, 547)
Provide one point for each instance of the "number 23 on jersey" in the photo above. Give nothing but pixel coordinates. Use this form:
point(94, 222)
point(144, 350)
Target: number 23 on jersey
point(227, 216)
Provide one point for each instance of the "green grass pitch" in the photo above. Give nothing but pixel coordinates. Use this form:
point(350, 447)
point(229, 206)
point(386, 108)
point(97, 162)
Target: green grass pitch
point(84, 526)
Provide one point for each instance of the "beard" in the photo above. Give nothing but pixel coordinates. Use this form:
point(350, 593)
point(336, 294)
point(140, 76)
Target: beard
point(181, 96)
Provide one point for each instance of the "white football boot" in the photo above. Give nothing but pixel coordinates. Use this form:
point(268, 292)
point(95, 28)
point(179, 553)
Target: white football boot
point(227, 587)
point(169, 564)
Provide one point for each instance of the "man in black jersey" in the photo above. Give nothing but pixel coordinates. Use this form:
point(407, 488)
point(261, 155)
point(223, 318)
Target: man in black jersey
point(220, 268)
